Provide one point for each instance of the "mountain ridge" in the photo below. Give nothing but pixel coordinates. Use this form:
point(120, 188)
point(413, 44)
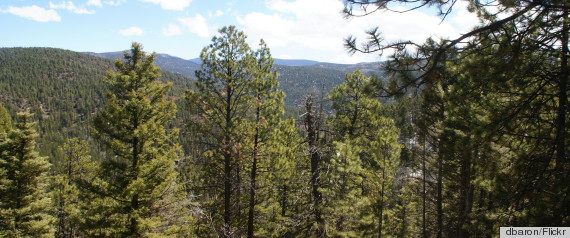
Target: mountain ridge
point(295, 80)
point(197, 61)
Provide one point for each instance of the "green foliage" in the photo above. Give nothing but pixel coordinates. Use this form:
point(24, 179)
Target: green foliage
point(63, 89)
point(364, 166)
point(24, 204)
point(136, 183)
point(5, 121)
point(242, 143)
point(494, 115)
point(69, 198)
point(222, 101)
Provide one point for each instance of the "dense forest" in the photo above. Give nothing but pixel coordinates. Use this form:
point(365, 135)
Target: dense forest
point(455, 138)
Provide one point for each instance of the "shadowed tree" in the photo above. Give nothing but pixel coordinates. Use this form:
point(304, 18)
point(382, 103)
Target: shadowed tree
point(24, 203)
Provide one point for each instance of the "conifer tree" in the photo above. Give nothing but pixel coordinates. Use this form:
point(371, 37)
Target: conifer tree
point(364, 166)
point(24, 202)
point(223, 101)
point(267, 110)
point(316, 156)
point(505, 99)
point(137, 181)
point(5, 120)
point(238, 110)
point(69, 199)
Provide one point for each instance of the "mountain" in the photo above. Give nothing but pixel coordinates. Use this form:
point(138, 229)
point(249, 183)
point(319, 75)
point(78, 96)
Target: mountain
point(298, 78)
point(286, 62)
point(166, 62)
point(296, 62)
point(63, 89)
point(187, 67)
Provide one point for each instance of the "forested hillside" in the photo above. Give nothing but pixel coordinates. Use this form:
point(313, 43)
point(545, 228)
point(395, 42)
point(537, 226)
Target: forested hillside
point(62, 89)
point(297, 78)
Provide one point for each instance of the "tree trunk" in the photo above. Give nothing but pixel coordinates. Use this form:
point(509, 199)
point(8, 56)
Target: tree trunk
point(381, 213)
point(562, 98)
point(465, 189)
point(439, 204)
point(227, 165)
point(312, 134)
point(424, 230)
point(133, 223)
point(253, 174)
point(561, 130)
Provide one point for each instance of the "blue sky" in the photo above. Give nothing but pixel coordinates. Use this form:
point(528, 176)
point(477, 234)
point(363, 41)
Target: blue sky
point(294, 29)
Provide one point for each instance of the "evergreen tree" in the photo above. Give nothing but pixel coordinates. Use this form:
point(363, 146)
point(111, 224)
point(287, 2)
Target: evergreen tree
point(24, 203)
point(137, 181)
point(5, 121)
point(497, 112)
point(267, 110)
point(281, 207)
point(69, 199)
point(238, 110)
point(363, 170)
point(317, 155)
point(223, 101)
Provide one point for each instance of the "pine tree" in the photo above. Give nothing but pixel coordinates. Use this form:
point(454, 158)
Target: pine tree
point(69, 199)
point(282, 192)
point(316, 154)
point(363, 170)
point(5, 121)
point(137, 181)
point(24, 204)
point(267, 110)
point(222, 102)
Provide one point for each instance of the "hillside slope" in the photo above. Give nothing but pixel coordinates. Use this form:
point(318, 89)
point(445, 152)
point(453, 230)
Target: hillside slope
point(62, 88)
point(297, 78)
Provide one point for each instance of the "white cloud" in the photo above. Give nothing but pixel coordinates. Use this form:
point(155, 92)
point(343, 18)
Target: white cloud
point(96, 3)
point(178, 5)
point(315, 29)
point(171, 30)
point(196, 25)
point(115, 2)
point(34, 13)
point(132, 31)
point(218, 13)
point(70, 7)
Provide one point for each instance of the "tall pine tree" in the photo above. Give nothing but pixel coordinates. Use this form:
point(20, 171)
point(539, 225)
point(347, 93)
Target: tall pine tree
point(137, 181)
point(70, 201)
point(363, 168)
point(222, 102)
point(24, 201)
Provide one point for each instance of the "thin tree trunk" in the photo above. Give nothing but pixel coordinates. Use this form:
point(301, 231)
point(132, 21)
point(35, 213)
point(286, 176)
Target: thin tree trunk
point(227, 166)
point(312, 134)
point(561, 130)
point(439, 204)
point(381, 213)
point(253, 173)
point(561, 115)
point(424, 231)
point(465, 189)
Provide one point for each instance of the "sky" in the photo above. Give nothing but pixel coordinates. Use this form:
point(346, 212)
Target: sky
point(293, 29)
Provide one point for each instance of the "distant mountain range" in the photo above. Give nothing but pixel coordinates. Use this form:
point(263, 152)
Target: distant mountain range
point(286, 62)
point(297, 77)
